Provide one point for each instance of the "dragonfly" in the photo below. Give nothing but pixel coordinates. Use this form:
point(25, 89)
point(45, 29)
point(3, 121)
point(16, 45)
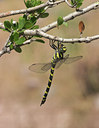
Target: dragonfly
point(58, 59)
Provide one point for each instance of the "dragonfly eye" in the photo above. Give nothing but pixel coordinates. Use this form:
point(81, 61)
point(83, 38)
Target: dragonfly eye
point(64, 49)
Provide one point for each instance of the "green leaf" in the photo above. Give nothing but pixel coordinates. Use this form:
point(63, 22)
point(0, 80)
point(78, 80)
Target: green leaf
point(73, 2)
point(28, 25)
point(44, 15)
point(40, 10)
point(39, 40)
point(77, 2)
point(28, 4)
point(66, 24)
point(14, 24)
point(32, 3)
point(11, 46)
point(36, 27)
point(15, 36)
point(37, 2)
point(25, 17)
point(7, 25)
point(18, 49)
point(24, 2)
point(33, 19)
point(20, 41)
point(60, 21)
point(21, 22)
point(11, 21)
point(12, 38)
point(78, 5)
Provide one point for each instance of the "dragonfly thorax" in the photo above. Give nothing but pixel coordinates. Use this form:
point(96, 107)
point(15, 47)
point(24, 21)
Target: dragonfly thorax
point(59, 54)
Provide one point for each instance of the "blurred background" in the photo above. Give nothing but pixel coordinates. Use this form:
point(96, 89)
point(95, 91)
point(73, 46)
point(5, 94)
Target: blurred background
point(73, 100)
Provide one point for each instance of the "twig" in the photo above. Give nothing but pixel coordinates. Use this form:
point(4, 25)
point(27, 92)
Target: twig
point(2, 26)
point(66, 18)
point(7, 49)
point(72, 6)
point(42, 31)
point(10, 13)
point(72, 16)
point(71, 40)
point(51, 37)
point(8, 40)
point(4, 50)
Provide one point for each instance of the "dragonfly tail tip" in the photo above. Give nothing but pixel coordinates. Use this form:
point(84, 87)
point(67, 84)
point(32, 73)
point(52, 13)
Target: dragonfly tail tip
point(42, 102)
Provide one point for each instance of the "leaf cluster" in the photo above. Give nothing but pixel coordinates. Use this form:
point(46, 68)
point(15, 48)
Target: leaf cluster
point(27, 21)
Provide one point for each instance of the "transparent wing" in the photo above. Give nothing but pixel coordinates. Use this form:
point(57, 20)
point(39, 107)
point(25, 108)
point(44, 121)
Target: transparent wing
point(40, 67)
point(67, 60)
point(72, 59)
point(59, 63)
point(44, 67)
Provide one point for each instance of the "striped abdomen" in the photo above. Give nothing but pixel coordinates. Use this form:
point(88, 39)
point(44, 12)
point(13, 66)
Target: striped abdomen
point(49, 84)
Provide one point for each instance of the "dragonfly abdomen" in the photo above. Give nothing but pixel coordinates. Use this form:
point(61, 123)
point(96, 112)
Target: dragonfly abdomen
point(49, 84)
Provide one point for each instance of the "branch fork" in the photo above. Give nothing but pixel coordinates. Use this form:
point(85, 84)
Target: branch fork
point(42, 31)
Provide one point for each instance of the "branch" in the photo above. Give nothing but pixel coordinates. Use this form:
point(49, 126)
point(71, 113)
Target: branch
point(2, 26)
point(51, 37)
point(3, 51)
point(50, 4)
point(63, 40)
point(72, 16)
point(8, 50)
point(73, 40)
point(66, 18)
point(23, 10)
point(72, 6)
point(42, 31)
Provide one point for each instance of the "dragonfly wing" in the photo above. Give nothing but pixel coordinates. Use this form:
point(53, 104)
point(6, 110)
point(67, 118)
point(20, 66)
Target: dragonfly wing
point(40, 67)
point(46, 67)
point(72, 59)
point(60, 62)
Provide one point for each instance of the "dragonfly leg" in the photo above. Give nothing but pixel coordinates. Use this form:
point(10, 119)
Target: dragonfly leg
point(59, 45)
point(52, 45)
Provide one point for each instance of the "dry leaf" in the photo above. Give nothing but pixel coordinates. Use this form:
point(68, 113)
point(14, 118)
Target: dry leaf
point(81, 27)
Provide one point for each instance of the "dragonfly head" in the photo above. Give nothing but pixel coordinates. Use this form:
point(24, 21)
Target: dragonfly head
point(63, 49)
